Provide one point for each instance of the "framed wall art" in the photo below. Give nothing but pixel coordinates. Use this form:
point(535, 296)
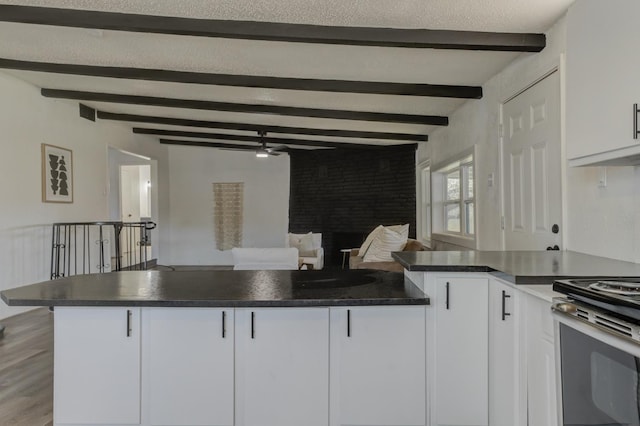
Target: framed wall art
point(57, 174)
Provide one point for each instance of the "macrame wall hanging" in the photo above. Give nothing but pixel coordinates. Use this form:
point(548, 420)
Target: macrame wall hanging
point(228, 200)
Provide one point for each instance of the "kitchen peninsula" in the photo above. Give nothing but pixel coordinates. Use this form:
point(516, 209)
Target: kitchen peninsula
point(235, 347)
point(324, 348)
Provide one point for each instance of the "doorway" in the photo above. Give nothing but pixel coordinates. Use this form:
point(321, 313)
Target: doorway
point(132, 200)
point(135, 193)
point(532, 167)
point(135, 208)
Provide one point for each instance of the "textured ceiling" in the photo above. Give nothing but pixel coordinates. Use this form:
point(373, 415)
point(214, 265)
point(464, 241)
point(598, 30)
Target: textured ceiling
point(66, 45)
point(470, 15)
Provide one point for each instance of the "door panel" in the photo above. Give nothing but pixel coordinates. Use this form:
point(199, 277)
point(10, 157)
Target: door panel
point(532, 167)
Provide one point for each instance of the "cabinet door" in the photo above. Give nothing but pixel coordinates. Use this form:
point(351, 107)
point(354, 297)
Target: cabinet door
point(282, 367)
point(503, 350)
point(461, 359)
point(187, 366)
point(97, 366)
point(541, 387)
point(378, 366)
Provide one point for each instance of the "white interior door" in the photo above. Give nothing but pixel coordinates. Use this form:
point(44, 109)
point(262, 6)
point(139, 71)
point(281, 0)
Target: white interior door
point(532, 167)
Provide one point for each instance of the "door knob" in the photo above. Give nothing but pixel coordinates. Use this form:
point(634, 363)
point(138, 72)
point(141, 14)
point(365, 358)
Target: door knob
point(555, 228)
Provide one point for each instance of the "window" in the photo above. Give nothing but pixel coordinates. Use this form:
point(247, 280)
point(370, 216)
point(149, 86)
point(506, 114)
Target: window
point(424, 202)
point(454, 200)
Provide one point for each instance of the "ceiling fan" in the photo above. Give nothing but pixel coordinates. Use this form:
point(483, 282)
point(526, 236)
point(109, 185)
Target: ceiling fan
point(264, 151)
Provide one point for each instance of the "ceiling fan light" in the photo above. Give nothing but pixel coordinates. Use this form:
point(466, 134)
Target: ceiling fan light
point(261, 154)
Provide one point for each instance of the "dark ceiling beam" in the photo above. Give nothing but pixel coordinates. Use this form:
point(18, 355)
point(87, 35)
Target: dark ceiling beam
point(272, 31)
point(244, 138)
point(247, 108)
point(261, 127)
point(234, 80)
point(209, 144)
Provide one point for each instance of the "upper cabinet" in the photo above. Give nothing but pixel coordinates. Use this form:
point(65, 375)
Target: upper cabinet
point(602, 82)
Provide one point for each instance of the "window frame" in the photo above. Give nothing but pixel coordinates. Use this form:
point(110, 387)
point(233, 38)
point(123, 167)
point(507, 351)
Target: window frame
point(464, 166)
point(424, 202)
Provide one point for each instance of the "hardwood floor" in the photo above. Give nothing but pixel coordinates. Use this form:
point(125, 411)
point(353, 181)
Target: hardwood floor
point(26, 370)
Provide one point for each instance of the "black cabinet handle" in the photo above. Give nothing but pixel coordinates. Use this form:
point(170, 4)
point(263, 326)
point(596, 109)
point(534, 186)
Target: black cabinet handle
point(348, 322)
point(128, 323)
point(224, 318)
point(446, 303)
point(253, 325)
point(505, 314)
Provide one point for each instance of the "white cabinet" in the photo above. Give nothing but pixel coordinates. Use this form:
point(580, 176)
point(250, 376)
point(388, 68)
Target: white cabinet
point(458, 351)
point(282, 367)
point(188, 366)
point(504, 363)
point(378, 366)
point(541, 383)
point(602, 81)
point(97, 366)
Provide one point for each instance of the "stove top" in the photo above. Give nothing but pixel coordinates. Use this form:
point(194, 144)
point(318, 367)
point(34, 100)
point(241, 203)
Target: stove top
point(619, 296)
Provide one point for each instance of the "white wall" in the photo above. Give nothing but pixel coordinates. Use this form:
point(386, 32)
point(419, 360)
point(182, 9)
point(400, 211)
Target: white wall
point(27, 120)
point(266, 201)
point(477, 122)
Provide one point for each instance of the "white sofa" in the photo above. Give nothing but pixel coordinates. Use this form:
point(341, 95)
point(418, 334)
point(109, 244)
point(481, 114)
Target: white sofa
point(311, 254)
point(249, 259)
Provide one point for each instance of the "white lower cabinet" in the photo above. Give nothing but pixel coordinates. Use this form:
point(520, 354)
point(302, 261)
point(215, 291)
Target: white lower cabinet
point(188, 363)
point(97, 366)
point(504, 365)
point(241, 367)
point(282, 367)
point(458, 350)
point(541, 375)
point(377, 363)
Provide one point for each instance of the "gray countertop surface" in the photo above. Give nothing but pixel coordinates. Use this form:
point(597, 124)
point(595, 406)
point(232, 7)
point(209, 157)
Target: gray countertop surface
point(519, 267)
point(222, 289)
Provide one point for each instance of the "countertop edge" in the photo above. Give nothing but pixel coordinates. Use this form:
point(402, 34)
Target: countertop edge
point(222, 303)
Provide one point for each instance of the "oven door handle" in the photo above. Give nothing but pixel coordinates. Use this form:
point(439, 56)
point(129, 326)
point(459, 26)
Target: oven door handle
point(595, 325)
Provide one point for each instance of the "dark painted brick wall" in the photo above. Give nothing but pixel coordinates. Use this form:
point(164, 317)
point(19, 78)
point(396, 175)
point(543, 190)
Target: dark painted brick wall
point(346, 193)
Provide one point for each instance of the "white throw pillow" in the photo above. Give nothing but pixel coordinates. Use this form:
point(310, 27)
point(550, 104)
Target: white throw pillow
point(304, 244)
point(400, 229)
point(382, 246)
point(367, 242)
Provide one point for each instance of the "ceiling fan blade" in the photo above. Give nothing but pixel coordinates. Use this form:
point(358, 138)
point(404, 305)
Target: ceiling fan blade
point(277, 148)
point(273, 153)
point(233, 149)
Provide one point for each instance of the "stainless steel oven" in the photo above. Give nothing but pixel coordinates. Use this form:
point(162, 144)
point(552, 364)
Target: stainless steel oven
point(598, 363)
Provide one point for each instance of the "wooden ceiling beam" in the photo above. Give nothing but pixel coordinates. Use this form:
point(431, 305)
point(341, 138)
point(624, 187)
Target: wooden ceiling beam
point(261, 127)
point(235, 80)
point(273, 31)
point(253, 139)
point(209, 144)
point(247, 108)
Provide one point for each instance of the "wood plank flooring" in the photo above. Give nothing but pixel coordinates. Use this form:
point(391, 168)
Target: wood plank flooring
point(26, 369)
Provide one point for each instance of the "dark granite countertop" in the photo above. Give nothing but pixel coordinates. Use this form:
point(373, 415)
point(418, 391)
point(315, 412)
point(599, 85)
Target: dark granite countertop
point(519, 267)
point(222, 289)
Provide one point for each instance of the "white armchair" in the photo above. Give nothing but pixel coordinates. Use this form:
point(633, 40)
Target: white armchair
point(251, 259)
point(309, 247)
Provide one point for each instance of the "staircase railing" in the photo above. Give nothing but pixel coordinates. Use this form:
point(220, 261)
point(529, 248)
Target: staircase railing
point(98, 247)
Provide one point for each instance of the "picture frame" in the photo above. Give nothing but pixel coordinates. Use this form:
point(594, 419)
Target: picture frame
point(57, 174)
